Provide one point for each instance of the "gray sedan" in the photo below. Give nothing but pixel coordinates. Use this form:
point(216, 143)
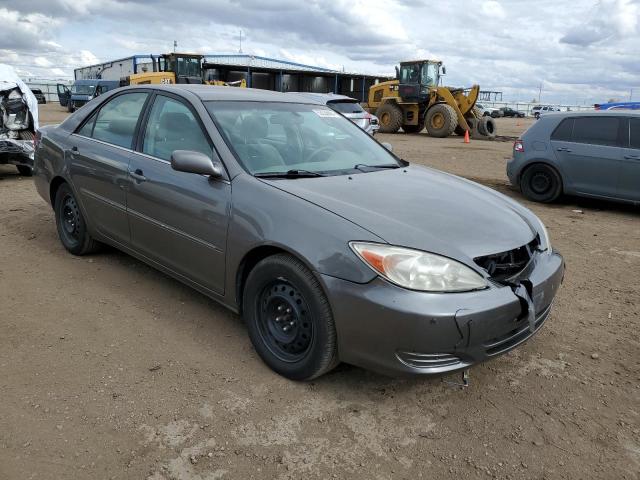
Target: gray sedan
point(590, 154)
point(330, 247)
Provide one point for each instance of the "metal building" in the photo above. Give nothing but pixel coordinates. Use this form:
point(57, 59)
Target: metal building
point(259, 72)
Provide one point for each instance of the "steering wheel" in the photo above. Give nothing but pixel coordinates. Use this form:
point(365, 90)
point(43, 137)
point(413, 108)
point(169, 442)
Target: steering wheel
point(318, 152)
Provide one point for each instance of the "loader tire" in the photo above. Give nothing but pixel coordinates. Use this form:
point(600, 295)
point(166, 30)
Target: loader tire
point(390, 117)
point(413, 128)
point(473, 127)
point(487, 127)
point(441, 120)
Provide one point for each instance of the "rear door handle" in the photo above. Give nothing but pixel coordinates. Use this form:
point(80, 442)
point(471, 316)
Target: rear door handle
point(138, 175)
point(632, 157)
point(563, 149)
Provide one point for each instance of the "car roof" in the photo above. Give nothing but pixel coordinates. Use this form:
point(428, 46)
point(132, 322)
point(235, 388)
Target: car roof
point(593, 113)
point(208, 93)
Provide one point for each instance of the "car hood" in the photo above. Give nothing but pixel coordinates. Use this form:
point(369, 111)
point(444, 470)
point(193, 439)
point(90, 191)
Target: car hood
point(421, 208)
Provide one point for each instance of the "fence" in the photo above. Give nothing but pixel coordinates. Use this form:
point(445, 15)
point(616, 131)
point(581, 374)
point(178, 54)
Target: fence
point(48, 87)
point(526, 108)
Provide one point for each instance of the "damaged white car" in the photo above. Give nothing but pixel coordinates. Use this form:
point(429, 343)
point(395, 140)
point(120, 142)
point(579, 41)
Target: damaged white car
point(18, 121)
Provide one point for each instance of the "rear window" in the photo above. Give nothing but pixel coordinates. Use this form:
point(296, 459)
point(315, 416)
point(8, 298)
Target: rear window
point(634, 132)
point(596, 130)
point(346, 107)
point(563, 131)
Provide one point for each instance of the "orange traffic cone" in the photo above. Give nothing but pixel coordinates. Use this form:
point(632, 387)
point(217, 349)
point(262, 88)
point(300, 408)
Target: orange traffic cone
point(466, 136)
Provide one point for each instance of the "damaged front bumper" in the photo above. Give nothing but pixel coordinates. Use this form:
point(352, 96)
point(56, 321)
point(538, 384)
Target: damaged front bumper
point(16, 151)
point(394, 331)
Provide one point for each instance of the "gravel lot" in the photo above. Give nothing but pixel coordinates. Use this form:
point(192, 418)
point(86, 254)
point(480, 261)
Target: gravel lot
point(109, 369)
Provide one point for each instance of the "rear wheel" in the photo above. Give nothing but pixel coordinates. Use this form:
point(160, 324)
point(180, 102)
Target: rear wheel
point(72, 228)
point(441, 120)
point(541, 183)
point(390, 117)
point(289, 318)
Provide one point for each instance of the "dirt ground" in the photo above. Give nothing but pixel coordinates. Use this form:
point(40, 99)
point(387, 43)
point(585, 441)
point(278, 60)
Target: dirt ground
point(111, 370)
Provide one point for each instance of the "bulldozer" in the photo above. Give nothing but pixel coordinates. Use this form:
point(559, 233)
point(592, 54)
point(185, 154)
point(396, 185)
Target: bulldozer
point(415, 100)
point(172, 68)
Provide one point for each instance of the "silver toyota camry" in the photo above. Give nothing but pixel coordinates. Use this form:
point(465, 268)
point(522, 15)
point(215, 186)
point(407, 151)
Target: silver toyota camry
point(330, 247)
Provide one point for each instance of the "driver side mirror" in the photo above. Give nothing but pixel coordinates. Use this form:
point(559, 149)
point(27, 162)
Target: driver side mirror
point(387, 145)
point(444, 70)
point(195, 162)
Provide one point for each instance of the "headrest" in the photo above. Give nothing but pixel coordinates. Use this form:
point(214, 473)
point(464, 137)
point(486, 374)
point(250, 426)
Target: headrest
point(254, 127)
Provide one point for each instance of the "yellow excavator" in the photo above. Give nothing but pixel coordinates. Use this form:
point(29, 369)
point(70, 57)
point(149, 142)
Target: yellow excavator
point(172, 68)
point(415, 100)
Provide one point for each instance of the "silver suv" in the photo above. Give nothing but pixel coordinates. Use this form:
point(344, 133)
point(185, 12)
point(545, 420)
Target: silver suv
point(349, 107)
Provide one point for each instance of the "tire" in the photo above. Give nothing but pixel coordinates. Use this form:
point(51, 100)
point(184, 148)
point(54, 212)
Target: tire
point(413, 128)
point(70, 108)
point(24, 170)
point(441, 120)
point(487, 127)
point(541, 183)
point(537, 115)
point(282, 293)
point(70, 223)
point(390, 117)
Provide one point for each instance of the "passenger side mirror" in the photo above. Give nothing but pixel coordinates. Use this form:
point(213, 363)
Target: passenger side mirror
point(444, 70)
point(195, 162)
point(388, 146)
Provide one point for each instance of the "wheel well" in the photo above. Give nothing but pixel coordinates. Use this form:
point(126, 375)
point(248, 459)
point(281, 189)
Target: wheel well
point(249, 261)
point(53, 188)
point(527, 167)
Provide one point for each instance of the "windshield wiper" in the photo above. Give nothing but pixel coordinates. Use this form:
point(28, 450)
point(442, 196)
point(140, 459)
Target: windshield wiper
point(358, 166)
point(289, 174)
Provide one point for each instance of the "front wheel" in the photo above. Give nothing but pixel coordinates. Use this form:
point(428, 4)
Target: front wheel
point(289, 318)
point(24, 170)
point(72, 228)
point(541, 183)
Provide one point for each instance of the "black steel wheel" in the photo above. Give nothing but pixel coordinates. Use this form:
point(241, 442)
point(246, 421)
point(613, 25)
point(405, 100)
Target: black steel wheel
point(72, 228)
point(541, 183)
point(289, 318)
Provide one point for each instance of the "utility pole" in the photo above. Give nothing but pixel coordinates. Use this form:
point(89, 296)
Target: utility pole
point(240, 51)
point(630, 94)
point(540, 94)
point(175, 45)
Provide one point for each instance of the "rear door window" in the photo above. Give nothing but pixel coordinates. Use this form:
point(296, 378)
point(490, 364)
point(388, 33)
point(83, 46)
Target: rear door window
point(634, 133)
point(346, 107)
point(116, 121)
point(596, 130)
point(563, 131)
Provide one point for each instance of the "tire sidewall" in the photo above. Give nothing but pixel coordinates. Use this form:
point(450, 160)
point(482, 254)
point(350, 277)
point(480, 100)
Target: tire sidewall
point(547, 197)
point(314, 362)
point(75, 248)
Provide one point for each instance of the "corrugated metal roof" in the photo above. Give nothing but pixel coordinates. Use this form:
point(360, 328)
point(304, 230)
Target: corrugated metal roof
point(255, 61)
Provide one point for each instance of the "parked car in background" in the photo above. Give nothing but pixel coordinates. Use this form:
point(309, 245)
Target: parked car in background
point(349, 107)
point(485, 111)
point(39, 95)
point(82, 91)
point(286, 212)
point(510, 112)
point(591, 154)
point(18, 121)
point(540, 110)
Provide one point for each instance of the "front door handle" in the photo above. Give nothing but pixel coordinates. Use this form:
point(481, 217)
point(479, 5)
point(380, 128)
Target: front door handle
point(138, 175)
point(563, 149)
point(632, 157)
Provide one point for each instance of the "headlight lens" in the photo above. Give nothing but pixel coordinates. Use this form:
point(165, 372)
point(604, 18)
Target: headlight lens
point(418, 270)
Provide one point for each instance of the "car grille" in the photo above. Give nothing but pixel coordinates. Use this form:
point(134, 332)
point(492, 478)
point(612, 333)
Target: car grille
point(427, 360)
point(505, 265)
point(516, 336)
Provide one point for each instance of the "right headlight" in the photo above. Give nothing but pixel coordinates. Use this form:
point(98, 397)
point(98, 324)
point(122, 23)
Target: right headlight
point(418, 270)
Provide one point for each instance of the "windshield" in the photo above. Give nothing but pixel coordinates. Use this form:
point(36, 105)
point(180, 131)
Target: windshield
point(83, 89)
point(189, 67)
point(429, 74)
point(346, 106)
point(270, 137)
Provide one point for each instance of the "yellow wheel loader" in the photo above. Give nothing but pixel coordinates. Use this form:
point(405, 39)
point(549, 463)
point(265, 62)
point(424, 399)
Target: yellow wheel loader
point(416, 100)
point(172, 68)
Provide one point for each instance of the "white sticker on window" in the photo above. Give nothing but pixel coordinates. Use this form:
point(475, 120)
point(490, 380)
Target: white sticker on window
point(326, 113)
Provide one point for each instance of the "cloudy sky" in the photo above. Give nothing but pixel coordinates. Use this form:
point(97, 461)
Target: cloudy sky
point(583, 51)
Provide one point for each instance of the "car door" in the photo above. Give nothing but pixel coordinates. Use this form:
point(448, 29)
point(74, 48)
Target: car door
point(178, 219)
point(588, 152)
point(629, 180)
point(99, 153)
point(64, 94)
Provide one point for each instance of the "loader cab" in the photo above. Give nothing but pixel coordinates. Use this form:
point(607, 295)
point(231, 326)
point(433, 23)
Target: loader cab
point(416, 78)
point(186, 67)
